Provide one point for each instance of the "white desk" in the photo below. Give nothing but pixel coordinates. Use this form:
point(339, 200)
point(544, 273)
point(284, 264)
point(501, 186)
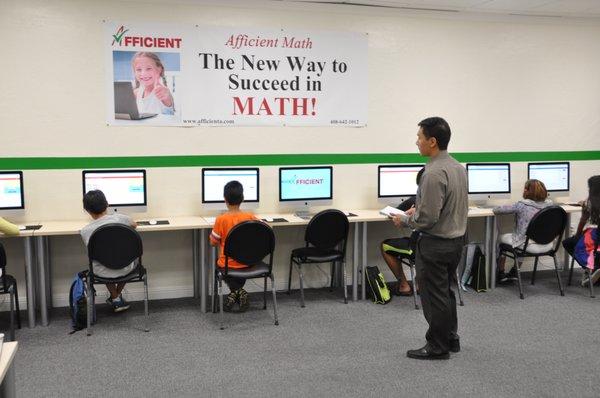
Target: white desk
point(7, 370)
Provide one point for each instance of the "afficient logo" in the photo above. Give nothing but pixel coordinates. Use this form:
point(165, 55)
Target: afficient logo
point(117, 37)
point(121, 40)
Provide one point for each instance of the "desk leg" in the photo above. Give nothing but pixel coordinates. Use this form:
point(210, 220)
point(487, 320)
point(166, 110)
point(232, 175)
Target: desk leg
point(566, 234)
point(41, 268)
point(490, 249)
point(203, 277)
point(7, 388)
point(355, 262)
point(29, 254)
point(48, 271)
point(195, 262)
point(363, 265)
point(211, 266)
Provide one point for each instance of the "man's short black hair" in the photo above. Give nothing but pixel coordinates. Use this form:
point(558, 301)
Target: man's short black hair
point(233, 192)
point(437, 128)
point(95, 202)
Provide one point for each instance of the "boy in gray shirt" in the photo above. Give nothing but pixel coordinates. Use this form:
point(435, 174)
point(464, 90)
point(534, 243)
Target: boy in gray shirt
point(95, 203)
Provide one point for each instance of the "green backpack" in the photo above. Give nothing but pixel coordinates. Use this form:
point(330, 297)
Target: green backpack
point(379, 289)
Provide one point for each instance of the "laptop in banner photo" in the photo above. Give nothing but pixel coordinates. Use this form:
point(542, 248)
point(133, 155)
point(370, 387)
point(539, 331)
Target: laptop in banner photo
point(125, 104)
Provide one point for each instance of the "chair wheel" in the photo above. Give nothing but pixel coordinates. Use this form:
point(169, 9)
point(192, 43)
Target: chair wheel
point(276, 323)
point(462, 304)
point(562, 293)
point(522, 297)
point(302, 306)
point(222, 328)
point(146, 330)
point(416, 307)
point(345, 301)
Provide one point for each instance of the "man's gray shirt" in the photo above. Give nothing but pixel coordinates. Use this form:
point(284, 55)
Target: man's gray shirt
point(442, 201)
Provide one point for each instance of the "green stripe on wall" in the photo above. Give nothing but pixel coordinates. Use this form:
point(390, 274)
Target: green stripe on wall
point(43, 163)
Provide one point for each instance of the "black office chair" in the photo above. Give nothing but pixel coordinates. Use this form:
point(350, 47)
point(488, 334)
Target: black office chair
point(115, 246)
point(248, 242)
point(8, 285)
point(325, 233)
point(586, 270)
point(546, 227)
point(409, 261)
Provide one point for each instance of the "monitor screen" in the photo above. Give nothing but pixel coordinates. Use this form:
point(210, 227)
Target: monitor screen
point(397, 180)
point(305, 183)
point(121, 187)
point(11, 190)
point(486, 178)
point(555, 176)
point(214, 180)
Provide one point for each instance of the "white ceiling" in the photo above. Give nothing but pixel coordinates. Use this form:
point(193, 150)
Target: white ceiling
point(549, 8)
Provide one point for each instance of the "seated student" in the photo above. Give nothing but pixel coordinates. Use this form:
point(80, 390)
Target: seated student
point(535, 198)
point(590, 215)
point(8, 228)
point(94, 202)
point(390, 248)
point(234, 196)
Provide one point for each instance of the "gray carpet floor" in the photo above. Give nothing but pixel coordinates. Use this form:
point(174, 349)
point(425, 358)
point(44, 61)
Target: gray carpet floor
point(543, 346)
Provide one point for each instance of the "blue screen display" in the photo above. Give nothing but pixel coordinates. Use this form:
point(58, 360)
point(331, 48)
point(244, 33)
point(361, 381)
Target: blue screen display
point(305, 183)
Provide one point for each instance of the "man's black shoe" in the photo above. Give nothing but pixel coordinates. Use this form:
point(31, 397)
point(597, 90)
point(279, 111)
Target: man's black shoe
point(427, 353)
point(455, 345)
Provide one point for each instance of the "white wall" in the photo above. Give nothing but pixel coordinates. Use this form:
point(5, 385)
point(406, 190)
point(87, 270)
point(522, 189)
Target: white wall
point(504, 84)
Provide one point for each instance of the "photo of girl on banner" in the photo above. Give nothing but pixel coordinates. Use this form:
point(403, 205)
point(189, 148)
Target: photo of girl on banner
point(144, 86)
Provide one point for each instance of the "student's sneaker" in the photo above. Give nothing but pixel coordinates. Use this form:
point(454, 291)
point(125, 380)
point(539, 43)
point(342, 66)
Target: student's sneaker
point(512, 274)
point(230, 301)
point(502, 278)
point(120, 304)
point(244, 300)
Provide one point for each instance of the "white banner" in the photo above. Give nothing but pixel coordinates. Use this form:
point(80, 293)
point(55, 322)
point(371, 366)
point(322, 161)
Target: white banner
point(214, 76)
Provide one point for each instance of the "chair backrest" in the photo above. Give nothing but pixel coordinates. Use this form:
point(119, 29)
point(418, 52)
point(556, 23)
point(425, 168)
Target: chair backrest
point(327, 229)
point(547, 225)
point(115, 246)
point(249, 242)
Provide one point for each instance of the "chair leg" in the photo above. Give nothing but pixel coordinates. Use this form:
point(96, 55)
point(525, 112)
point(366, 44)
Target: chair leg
point(535, 264)
point(591, 284)
point(562, 292)
point(213, 295)
point(301, 284)
point(411, 266)
point(344, 282)
point(265, 295)
point(289, 289)
point(274, 299)
point(458, 288)
point(88, 292)
point(147, 317)
point(332, 284)
point(518, 276)
point(17, 306)
point(221, 326)
point(571, 271)
point(12, 312)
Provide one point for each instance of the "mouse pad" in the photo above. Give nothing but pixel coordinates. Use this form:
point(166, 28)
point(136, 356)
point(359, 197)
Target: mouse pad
point(32, 227)
point(158, 222)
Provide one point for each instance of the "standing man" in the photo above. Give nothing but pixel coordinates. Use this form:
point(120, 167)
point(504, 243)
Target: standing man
point(440, 216)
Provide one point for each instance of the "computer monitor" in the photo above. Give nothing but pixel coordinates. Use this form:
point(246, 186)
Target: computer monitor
point(396, 183)
point(555, 176)
point(304, 186)
point(12, 198)
point(488, 181)
point(125, 190)
point(214, 180)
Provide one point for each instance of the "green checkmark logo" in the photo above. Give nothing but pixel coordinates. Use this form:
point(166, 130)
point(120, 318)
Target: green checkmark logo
point(117, 37)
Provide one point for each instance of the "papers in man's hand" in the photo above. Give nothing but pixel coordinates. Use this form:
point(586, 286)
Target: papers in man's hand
point(391, 211)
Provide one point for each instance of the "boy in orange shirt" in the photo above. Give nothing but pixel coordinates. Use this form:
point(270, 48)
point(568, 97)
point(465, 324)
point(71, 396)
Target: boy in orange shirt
point(234, 196)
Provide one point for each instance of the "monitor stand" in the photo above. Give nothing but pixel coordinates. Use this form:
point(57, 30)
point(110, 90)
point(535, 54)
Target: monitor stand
point(303, 212)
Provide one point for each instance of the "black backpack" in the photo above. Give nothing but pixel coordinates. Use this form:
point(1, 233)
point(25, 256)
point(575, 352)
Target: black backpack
point(379, 289)
point(78, 303)
point(478, 278)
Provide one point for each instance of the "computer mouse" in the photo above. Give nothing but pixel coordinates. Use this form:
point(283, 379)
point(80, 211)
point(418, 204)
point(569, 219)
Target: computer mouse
point(152, 222)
